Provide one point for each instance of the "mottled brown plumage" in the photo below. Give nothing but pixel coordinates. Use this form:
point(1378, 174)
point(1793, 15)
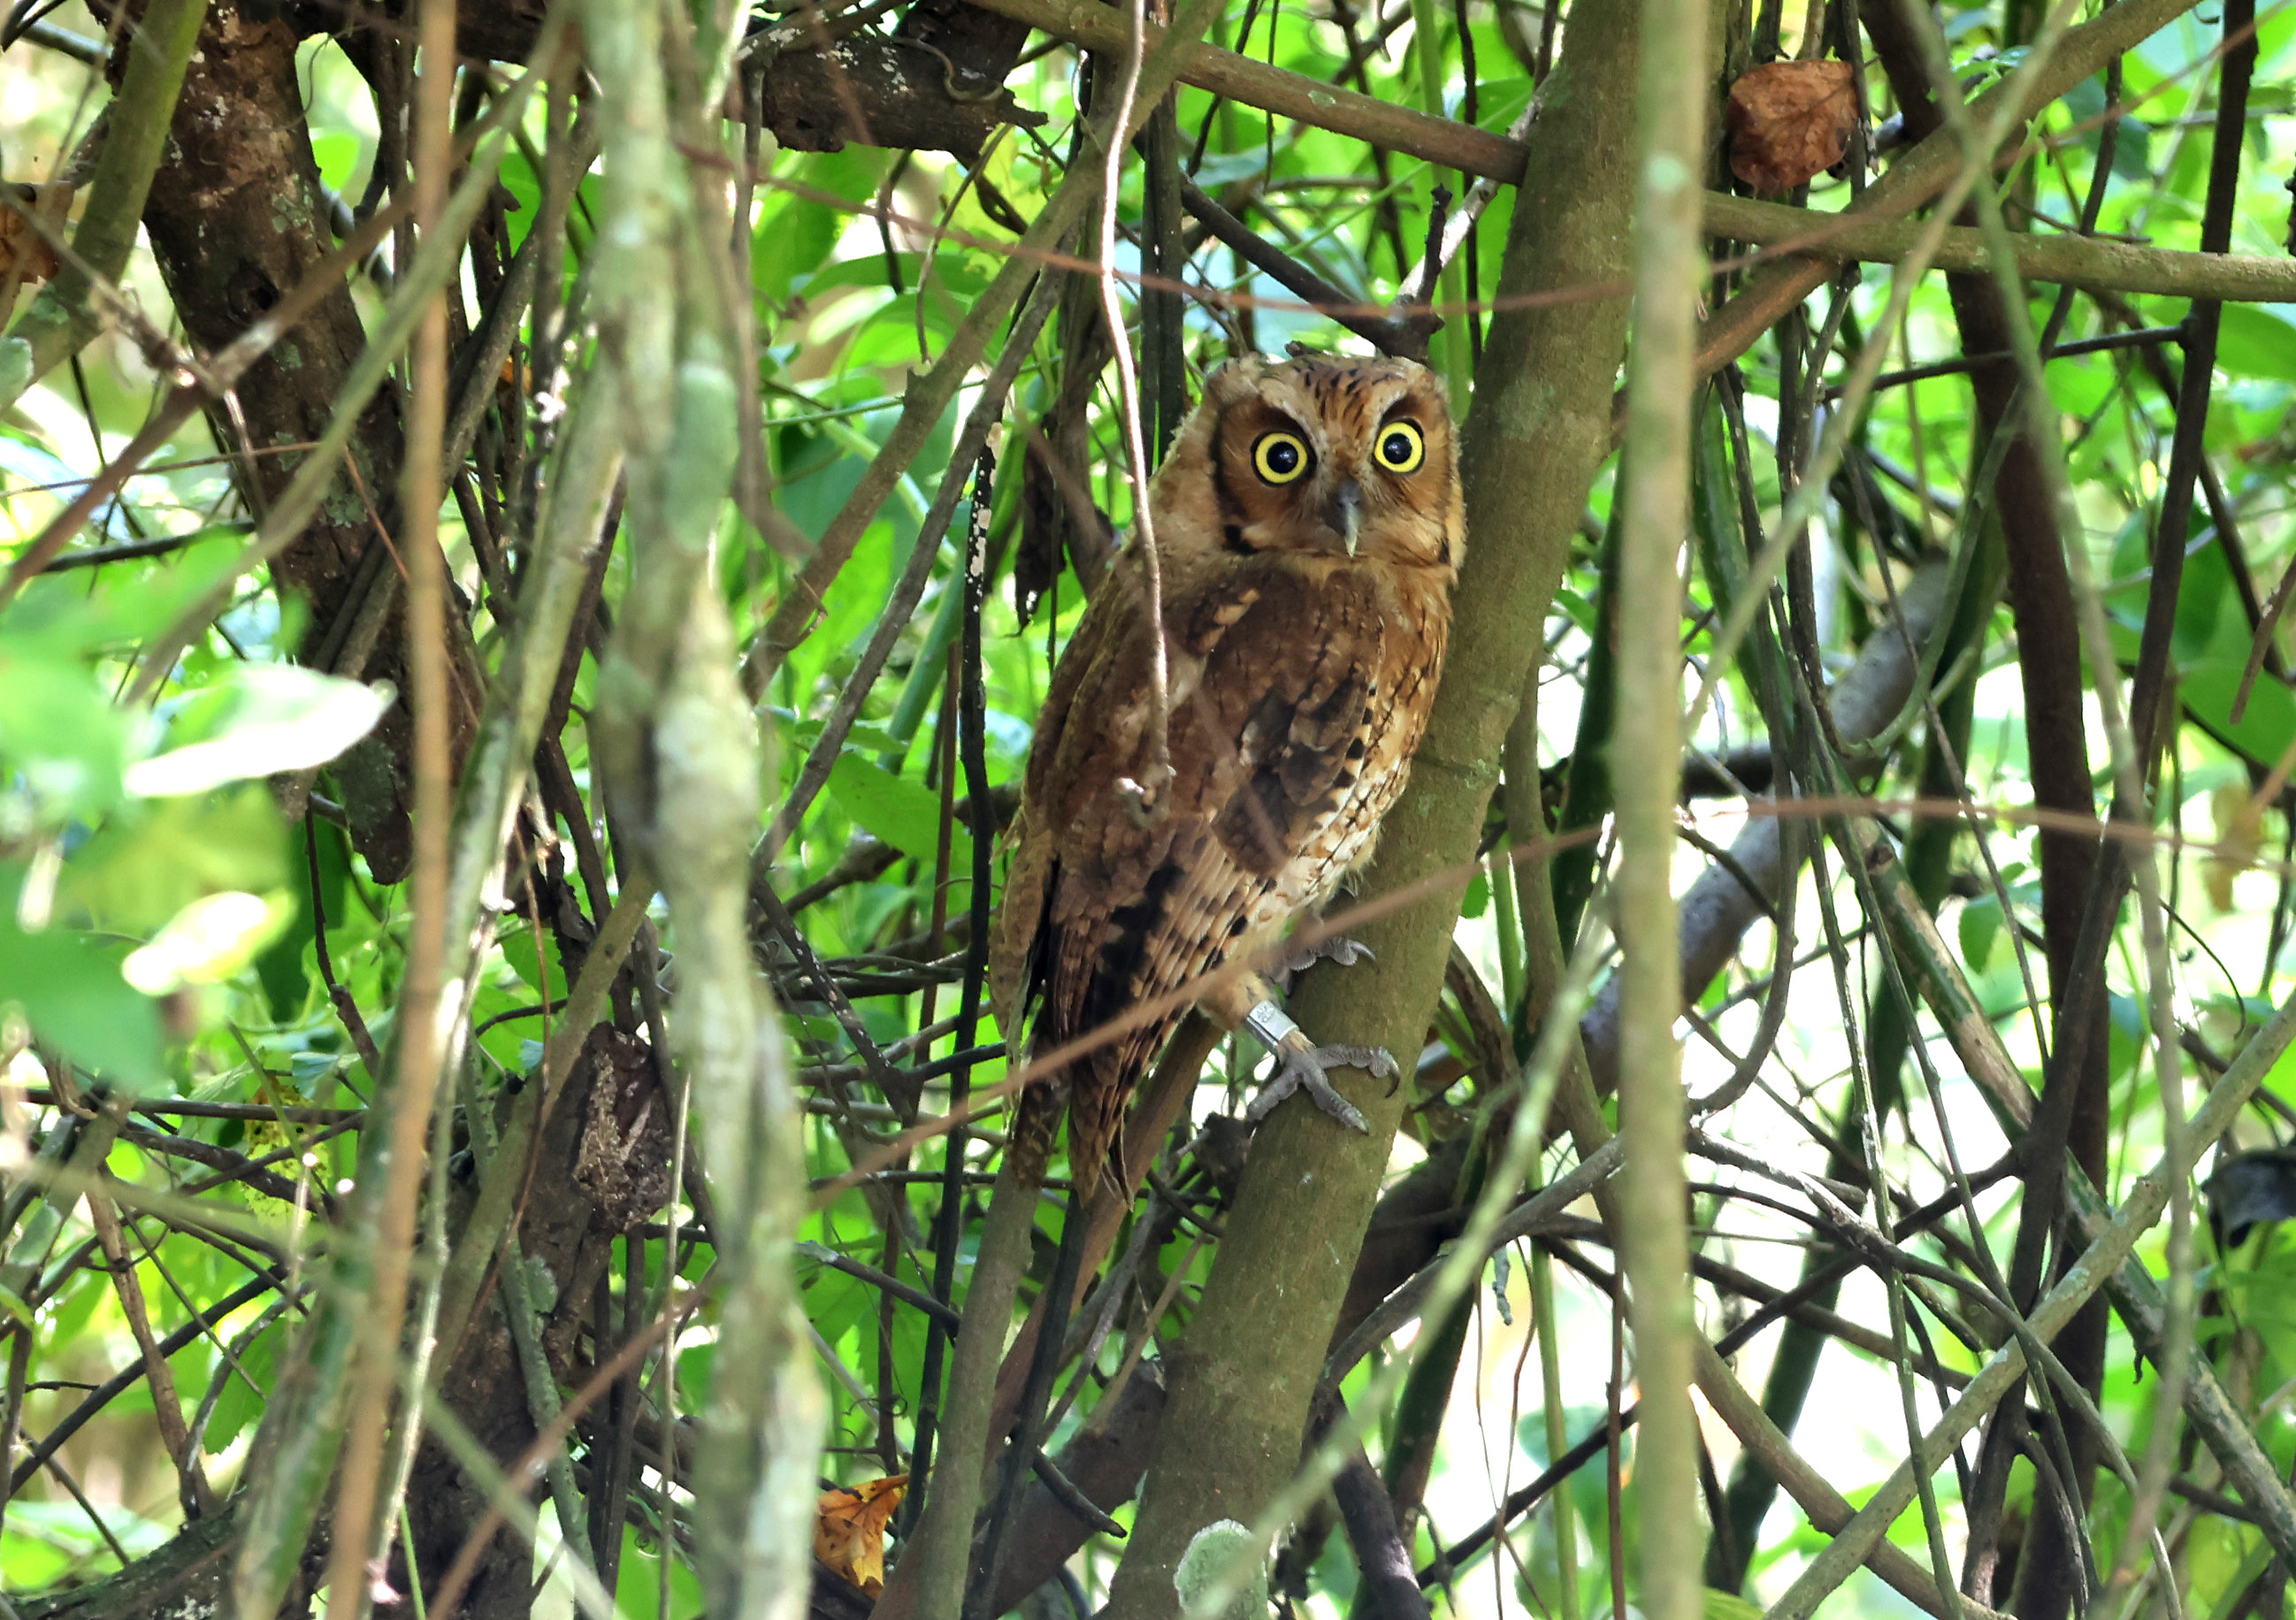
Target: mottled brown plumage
point(1308, 523)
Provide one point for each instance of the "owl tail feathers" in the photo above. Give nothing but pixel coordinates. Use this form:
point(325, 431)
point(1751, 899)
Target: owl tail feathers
point(1093, 1090)
point(1035, 1123)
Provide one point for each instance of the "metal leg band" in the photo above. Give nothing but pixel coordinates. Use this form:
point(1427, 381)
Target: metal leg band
point(1271, 1024)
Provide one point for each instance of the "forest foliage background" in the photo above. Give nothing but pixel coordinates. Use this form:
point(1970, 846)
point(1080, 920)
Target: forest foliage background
point(490, 713)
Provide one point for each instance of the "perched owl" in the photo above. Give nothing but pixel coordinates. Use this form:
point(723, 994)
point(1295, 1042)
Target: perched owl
point(1307, 524)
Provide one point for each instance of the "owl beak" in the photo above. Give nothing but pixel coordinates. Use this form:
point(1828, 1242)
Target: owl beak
point(1345, 514)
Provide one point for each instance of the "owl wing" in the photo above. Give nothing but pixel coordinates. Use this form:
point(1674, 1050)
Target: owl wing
point(1284, 706)
point(1013, 953)
point(1108, 907)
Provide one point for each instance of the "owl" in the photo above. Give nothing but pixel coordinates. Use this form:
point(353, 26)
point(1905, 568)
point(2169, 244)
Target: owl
point(1308, 528)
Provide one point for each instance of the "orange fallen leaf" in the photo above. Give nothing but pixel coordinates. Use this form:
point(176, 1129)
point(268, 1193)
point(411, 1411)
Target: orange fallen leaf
point(1789, 120)
point(24, 255)
point(848, 1529)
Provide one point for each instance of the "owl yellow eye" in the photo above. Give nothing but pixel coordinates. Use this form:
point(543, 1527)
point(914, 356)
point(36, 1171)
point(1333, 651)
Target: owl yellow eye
point(1280, 458)
point(1401, 446)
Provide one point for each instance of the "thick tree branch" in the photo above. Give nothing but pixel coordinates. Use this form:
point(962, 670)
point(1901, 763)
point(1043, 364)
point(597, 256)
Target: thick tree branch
point(1872, 232)
point(69, 312)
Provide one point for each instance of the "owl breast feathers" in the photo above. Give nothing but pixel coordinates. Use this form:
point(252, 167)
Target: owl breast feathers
point(1308, 528)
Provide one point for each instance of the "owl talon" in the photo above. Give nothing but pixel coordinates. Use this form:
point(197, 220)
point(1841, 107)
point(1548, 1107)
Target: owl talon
point(1304, 1070)
point(1336, 948)
point(1302, 1066)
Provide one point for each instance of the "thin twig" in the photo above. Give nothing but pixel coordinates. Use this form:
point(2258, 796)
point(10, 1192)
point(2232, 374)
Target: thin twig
point(362, 1521)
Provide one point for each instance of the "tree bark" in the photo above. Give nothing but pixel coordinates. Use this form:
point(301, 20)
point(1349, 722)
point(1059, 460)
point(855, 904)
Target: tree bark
point(236, 216)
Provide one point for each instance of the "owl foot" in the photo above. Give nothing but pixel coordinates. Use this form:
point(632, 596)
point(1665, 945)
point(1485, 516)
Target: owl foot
point(1335, 947)
point(1302, 1066)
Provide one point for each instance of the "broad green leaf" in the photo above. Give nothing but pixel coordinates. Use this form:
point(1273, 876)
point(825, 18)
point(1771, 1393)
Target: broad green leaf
point(66, 1524)
point(2265, 727)
point(873, 272)
point(60, 613)
point(268, 718)
point(835, 1302)
point(2211, 622)
point(72, 994)
point(903, 813)
point(337, 153)
point(1221, 168)
point(2132, 151)
point(30, 1561)
point(2078, 387)
point(279, 968)
point(517, 176)
point(238, 1405)
point(58, 731)
point(2256, 340)
point(1980, 926)
point(860, 734)
point(797, 231)
point(153, 858)
point(208, 941)
point(517, 948)
point(308, 1071)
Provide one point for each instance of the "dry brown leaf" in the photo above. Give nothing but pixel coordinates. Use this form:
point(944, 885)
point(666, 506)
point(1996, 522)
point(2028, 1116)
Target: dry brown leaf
point(1789, 120)
point(848, 1529)
point(2240, 839)
point(24, 257)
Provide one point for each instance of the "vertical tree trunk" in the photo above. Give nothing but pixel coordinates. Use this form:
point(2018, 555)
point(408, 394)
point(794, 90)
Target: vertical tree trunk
point(237, 218)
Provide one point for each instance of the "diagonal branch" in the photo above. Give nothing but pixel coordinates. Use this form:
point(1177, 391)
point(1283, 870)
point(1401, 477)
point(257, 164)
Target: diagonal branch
point(68, 313)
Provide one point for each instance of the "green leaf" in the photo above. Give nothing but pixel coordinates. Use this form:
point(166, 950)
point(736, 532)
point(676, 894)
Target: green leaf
point(903, 813)
point(238, 1405)
point(517, 176)
point(835, 1302)
point(60, 731)
point(2253, 341)
point(517, 948)
point(152, 859)
point(2265, 728)
point(72, 994)
point(797, 233)
point(2211, 622)
point(286, 982)
point(2132, 151)
point(337, 153)
point(639, 1581)
point(208, 941)
point(66, 1525)
point(307, 1071)
point(861, 735)
point(1221, 168)
point(61, 613)
point(2077, 387)
point(1980, 925)
point(266, 719)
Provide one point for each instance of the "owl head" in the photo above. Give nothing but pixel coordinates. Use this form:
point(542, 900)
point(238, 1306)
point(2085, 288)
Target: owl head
point(1320, 453)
